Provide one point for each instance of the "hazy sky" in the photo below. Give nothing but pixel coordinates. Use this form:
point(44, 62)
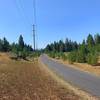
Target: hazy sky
point(56, 19)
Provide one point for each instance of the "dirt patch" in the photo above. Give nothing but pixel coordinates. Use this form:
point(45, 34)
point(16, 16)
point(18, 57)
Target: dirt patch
point(4, 58)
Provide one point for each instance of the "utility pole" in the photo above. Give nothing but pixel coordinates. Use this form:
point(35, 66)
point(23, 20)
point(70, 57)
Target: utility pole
point(34, 42)
point(34, 25)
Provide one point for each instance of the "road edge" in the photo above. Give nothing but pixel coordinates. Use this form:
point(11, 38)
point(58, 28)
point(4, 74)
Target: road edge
point(77, 91)
point(73, 66)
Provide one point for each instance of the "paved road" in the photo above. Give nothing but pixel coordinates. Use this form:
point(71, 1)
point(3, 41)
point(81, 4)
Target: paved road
point(82, 80)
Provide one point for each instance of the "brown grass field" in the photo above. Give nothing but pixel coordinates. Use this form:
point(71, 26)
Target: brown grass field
point(21, 80)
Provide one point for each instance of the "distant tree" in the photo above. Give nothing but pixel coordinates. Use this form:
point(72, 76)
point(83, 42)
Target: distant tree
point(21, 42)
point(30, 49)
point(81, 55)
point(61, 46)
point(72, 56)
point(15, 48)
point(24, 53)
point(6, 45)
point(57, 47)
point(90, 41)
point(85, 52)
point(48, 48)
point(1, 45)
point(66, 44)
point(84, 42)
point(92, 58)
point(97, 39)
point(21, 49)
point(74, 46)
point(70, 48)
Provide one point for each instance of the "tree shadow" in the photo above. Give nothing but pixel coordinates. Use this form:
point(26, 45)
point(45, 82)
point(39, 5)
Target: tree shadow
point(98, 64)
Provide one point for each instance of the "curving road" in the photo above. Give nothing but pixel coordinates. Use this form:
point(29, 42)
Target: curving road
point(85, 81)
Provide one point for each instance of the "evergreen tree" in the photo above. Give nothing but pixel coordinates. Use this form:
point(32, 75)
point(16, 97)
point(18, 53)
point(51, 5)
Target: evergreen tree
point(90, 41)
point(87, 51)
point(1, 45)
point(21, 42)
point(81, 55)
point(61, 46)
point(70, 48)
point(97, 39)
point(84, 43)
point(6, 45)
point(66, 45)
point(74, 46)
point(92, 58)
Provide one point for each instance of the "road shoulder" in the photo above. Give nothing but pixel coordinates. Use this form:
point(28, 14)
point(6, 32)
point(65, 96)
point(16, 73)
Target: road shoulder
point(95, 70)
point(83, 95)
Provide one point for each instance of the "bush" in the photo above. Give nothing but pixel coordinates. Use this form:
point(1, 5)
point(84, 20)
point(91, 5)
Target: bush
point(81, 57)
point(58, 55)
point(82, 53)
point(24, 53)
point(92, 59)
point(63, 56)
point(52, 54)
point(35, 54)
point(72, 57)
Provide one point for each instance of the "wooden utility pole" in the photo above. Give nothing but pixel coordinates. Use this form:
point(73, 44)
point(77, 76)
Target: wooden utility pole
point(34, 41)
point(34, 25)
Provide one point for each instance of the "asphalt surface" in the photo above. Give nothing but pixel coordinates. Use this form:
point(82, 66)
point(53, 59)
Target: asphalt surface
point(83, 80)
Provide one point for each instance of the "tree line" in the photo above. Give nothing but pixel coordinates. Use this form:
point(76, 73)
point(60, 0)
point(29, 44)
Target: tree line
point(62, 46)
point(86, 52)
point(20, 49)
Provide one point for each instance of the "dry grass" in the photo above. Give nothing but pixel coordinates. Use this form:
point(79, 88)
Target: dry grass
point(88, 68)
point(28, 81)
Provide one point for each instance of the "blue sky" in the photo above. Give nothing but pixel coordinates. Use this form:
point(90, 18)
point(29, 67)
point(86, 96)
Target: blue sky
point(56, 19)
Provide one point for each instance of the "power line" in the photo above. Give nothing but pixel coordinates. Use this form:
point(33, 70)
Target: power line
point(34, 14)
point(23, 10)
point(20, 9)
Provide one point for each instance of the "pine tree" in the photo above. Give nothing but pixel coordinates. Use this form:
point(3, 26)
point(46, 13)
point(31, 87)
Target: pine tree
point(81, 54)
point(61, 46)
point(66, 45)
point(21, 42)
point(6, 45)
point(90, 41)
point(1, 45)
point(84, 42)
point(97, 39)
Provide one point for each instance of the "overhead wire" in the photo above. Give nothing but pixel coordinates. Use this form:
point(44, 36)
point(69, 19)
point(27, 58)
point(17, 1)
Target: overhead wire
point(21, 10)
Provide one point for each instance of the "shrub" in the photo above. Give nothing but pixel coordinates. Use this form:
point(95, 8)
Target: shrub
point(52, 54)
point(81, 54)
point(72, 57)
point(63, 56)
point(92, 59)
point(81, 57)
